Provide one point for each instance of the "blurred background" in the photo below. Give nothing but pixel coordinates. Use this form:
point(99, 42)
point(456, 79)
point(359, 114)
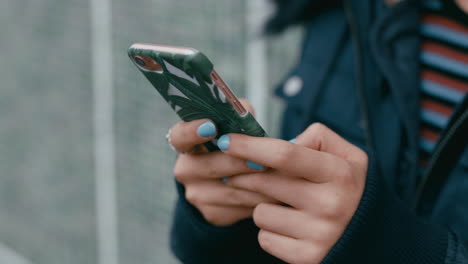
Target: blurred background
point(86, 174)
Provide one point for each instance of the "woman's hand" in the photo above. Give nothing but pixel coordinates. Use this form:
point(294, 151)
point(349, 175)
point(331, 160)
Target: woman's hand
point(201, 172)
point(321, 177)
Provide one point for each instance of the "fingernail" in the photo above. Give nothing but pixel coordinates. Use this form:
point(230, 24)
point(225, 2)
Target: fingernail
point(254, 166)
point(223, 142)
point(206, 129)
point(292, 140)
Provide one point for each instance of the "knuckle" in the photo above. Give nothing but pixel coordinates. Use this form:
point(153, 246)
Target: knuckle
point(180, 171)
point(348, 178)
point(212, 171)
point(183, 136)
point(284, 154)
point(343, 171)
point(302, 254)
point(176, 131)
point(315, 133)
point(234, 197)
point(325, 233)
point(317, 128)
point(256, 183)
point(353, 183)
point(217, 217)
point(259, 213)
point(332, 207)
point(191, 195)
point(184, 130)
point(265, 240)
point(362, 157)
point(210, 215)
point(189, 167)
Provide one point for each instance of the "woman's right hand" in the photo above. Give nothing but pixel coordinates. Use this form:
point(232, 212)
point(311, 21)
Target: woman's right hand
point(202, 173)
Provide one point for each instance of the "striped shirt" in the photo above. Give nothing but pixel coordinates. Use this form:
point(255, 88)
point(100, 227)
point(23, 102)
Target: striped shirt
point(444, 69)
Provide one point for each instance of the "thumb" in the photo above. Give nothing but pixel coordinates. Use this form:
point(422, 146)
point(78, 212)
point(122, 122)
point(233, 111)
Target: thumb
point(319, 137)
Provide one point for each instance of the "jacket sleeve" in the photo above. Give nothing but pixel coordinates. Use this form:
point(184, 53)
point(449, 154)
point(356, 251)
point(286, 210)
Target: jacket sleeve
point(292, 12)
point(194, 240)
point(386, 230)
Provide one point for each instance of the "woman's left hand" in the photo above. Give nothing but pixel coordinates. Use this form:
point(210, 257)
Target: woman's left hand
point(320, 179)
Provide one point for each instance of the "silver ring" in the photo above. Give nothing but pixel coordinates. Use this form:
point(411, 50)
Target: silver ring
point(168, 138)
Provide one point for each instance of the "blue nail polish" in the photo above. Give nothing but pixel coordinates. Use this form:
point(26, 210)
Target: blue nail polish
point(254, 166)
point(292, 140)
point(223, 142)
point(224, 179)
point(206, 129)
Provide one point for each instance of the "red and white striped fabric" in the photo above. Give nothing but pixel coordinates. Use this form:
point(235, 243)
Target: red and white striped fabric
point(444, 69)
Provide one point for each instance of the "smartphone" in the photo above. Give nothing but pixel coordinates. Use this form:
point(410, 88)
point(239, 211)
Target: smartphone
point(186, 79)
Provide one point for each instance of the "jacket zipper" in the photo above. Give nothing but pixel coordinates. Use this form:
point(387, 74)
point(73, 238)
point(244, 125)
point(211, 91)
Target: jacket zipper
point(437, 154)
point(365, 112)
point(359, 74)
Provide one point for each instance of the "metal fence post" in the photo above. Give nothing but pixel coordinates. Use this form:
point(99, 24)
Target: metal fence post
point(104, 150)
point(257, 61)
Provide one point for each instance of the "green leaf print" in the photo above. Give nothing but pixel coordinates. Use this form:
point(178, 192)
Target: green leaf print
point(186, 84)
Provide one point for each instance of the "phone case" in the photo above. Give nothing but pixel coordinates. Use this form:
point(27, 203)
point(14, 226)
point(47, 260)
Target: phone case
point(185, 81)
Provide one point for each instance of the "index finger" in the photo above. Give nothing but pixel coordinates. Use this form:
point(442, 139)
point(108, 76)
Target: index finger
point(184, 136)
point(285, 156)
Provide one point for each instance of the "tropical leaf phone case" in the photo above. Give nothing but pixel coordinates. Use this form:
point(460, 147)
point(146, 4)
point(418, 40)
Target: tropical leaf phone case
point(187, 81)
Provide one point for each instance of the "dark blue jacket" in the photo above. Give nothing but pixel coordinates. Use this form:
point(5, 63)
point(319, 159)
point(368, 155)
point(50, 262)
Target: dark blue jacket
point(360, 70)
